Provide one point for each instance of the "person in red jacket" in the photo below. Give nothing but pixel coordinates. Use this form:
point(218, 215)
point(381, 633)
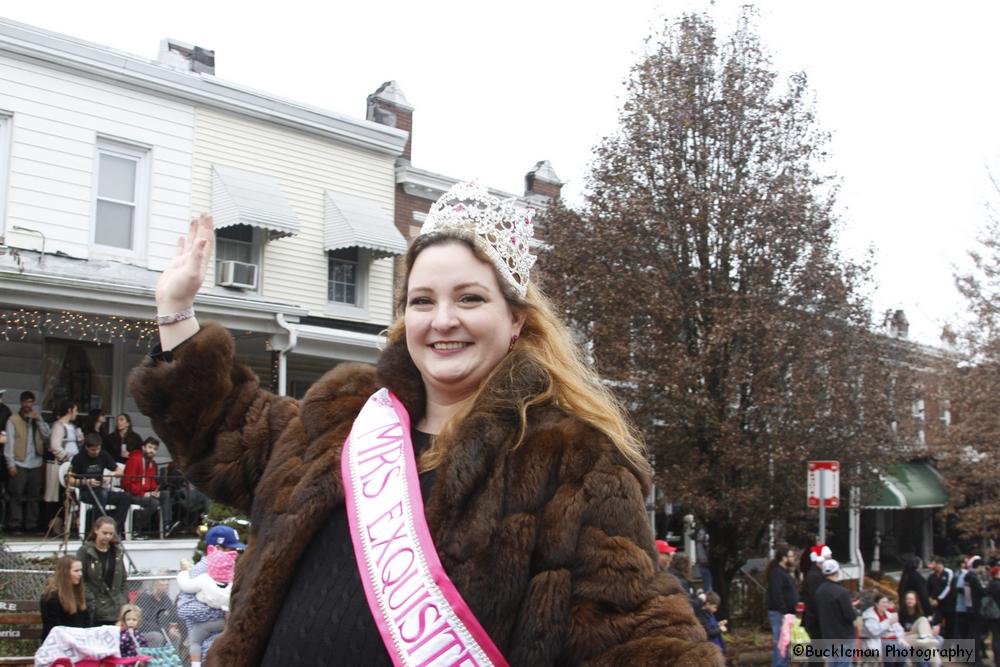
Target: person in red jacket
point(140, 481)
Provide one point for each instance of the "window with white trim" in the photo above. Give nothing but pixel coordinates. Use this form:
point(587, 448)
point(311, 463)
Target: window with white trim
point(344, 277)
point(347, 280)
point(238, 243)
point(119, 195)
point(235, 243)
point(5, 133)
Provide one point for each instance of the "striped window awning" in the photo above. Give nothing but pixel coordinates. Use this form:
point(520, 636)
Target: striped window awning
point(247, 198)
point(354, 222)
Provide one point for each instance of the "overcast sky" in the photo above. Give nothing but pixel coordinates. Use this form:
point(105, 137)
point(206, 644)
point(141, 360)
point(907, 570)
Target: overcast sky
point(909, 94)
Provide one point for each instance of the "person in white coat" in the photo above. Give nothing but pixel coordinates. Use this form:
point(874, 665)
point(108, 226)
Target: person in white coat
point(880, 627)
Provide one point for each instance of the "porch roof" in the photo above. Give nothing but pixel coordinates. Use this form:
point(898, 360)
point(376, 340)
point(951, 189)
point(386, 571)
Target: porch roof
point(907, 486)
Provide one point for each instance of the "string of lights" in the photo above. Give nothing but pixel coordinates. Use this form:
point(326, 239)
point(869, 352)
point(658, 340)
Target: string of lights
point(17, 325)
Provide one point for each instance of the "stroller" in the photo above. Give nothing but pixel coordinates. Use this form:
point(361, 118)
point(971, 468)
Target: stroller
point(84, 647)
point(168, 654)
point(106, 662)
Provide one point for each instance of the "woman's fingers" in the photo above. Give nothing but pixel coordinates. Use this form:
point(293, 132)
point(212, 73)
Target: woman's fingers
point(194, 249)
point(199, 255)
point(192, 233)
point(206, 227)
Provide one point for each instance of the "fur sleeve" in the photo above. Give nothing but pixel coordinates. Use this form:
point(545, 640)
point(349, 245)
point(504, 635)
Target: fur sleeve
point(212, 414)
point(622, 611)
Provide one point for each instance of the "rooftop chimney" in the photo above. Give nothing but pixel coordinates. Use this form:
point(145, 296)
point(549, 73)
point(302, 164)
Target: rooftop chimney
point(949, 339)
point(899, 326)
point(388, 106)
point(541, 183)
point(186, 57)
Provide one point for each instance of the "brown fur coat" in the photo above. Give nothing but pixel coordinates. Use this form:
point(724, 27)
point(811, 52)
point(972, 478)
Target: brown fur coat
point(549, 543)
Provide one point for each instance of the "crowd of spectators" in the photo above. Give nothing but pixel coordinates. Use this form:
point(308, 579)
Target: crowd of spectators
point(929, 606)
point(113, 469)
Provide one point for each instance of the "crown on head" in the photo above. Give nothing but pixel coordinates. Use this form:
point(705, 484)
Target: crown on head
point(501, 229)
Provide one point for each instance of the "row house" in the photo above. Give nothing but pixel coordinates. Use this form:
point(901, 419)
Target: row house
point(878, 527)
point(897, 515)
point(417, 189)
point(106, 156)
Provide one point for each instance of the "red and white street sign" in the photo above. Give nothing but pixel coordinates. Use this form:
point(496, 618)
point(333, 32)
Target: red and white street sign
point(827, 472)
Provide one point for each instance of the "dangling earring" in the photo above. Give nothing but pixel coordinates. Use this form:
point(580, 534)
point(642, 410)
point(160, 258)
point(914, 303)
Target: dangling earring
point(513, 339)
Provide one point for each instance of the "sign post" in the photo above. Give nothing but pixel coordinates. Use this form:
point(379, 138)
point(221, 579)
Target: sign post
point(823, 489)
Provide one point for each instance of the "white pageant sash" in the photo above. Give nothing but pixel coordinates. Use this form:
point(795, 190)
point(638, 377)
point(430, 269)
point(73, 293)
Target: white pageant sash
point(423, 620)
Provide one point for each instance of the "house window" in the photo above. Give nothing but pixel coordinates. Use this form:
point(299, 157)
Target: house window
point(345, 279)
point(234, 244)
point(237, 243)
point(5, 123)
point(78, 371)
point(120, 185)
point(946, 413)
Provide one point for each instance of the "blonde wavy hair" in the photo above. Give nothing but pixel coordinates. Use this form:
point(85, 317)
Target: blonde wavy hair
point(570, 382)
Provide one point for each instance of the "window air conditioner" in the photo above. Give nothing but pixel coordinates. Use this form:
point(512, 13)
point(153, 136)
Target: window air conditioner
point(237, 274)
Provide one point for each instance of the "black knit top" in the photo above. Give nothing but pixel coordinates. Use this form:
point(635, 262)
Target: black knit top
point(53, 614)
point(325, 615)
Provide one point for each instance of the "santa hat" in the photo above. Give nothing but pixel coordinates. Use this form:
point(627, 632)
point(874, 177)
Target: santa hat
point(820, 553)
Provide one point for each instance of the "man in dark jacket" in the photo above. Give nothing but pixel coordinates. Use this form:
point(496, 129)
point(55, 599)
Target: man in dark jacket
point(977, 627)
point(941, 589)
point(993, 591)
point(89, 468)
point(781, 596)
point(814, 578)
point(836, 614)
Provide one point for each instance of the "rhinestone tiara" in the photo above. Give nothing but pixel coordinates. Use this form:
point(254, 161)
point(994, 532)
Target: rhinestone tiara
point(500, 228)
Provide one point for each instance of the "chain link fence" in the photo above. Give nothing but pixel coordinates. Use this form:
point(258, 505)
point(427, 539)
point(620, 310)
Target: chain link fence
point(24, 578)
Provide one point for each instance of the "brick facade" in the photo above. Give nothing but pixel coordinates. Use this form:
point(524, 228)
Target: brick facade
point(406, 206)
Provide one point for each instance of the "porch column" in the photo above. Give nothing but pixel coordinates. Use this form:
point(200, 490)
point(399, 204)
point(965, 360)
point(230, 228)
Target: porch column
point(854, 533)
point(927, 535)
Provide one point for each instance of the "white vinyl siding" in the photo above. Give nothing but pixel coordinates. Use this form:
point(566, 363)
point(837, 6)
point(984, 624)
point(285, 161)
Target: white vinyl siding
point(295, 269)
point(59, 119)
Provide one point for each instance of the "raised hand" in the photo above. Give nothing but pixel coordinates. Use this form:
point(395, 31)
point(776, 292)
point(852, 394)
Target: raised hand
point(183, 277)
point(181, 280)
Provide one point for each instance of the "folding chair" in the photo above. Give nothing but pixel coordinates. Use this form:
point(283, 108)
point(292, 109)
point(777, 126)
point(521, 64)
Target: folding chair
point(80, 500)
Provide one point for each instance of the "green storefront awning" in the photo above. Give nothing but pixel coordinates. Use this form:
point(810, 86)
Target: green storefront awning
point(907, 486)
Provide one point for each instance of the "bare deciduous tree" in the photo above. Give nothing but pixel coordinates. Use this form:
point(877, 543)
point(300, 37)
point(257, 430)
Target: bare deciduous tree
point(972, 450)
point(703, 271)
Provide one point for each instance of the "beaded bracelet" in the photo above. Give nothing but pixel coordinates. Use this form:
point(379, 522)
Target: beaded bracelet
point(185, 314)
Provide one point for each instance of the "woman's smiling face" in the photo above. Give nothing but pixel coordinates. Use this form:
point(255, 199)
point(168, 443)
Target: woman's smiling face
point(458, 323)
